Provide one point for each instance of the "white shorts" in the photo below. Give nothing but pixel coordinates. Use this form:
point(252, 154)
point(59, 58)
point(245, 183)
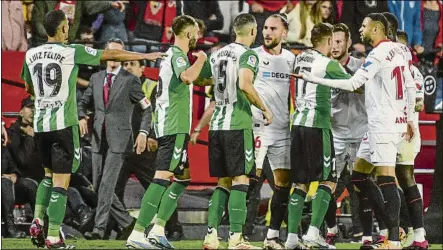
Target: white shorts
point(345, 153)
point(380, 149)
point(274, 145)
point(409, 150)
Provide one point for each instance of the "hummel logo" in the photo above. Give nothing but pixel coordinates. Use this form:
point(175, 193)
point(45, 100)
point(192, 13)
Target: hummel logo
point(327, 163)
point(77, 153)
point(265, 63)
point(248, 155)
point(327, 158)
point(177, 153)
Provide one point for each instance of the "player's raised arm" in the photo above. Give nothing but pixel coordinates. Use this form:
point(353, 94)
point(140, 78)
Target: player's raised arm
point(191, 74)
point(123, 55)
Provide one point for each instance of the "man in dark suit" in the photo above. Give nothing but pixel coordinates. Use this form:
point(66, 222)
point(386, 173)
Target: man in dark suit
point(113, 93)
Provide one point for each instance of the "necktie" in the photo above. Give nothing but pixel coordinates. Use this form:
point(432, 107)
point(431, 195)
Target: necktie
point(107, 88)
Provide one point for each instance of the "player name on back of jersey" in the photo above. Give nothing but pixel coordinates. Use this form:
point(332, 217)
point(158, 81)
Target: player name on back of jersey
point(46, 55)
point(227, 53)
point(393, 52)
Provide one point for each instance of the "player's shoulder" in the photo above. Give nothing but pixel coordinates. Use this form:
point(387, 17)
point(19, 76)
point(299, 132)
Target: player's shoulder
point(288, 54)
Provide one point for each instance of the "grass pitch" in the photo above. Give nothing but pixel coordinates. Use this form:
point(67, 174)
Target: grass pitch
point(115, 244)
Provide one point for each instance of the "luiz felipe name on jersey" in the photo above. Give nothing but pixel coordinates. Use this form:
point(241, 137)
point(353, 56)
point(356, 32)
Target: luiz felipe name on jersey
point(46, 55)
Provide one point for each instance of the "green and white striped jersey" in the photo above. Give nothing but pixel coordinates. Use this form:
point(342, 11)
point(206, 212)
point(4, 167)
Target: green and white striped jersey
point(51, 70)
point(173, 111)
point(232, 108)
point(313, 100)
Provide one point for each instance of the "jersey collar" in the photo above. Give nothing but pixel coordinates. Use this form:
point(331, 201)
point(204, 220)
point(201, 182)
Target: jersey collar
point(382, 41)
point(267, 51)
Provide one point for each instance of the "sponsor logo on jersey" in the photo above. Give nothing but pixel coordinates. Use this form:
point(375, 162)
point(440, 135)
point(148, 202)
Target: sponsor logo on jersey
point(91, 51)
point(252, 61)
point(276, 75)
point(430, 85)
point(180, 62)
point(401, 120)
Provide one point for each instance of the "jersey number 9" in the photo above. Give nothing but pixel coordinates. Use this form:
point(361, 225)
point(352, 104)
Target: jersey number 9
point(51, 75)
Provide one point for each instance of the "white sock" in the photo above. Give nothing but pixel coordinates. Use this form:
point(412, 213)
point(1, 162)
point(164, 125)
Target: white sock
point(234, 236)
point(158, 230)
point(136, 234)
point(384, 232)
point(366, 238)
point(53, 239)
point(419, 234)
point(333, 230)
point(313, 232)
point(272, 234)
point(292, 237)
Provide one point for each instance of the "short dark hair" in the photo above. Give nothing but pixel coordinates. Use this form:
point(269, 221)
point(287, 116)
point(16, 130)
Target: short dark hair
point(180, 23)
point(401, 34)
point(243, 19)
point(52, 20)
point(320, 32)
point(115, 40)
point(377, 17)
point(392, 24)
point(84, 29)
point(341, 27)
point(283, 18)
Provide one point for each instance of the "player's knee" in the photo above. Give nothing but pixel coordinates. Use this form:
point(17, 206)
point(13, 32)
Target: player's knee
point(161, 182)
point(240, 180)
point(61, 180)
point(362, 166)
point(385, 171)
point(405, 176)
point(303, 187)
point(258, 172)
point(281, 178)
point(165, 175)
point(359, 180)
point(281, 195)
point(225, 183)
point(240, 187)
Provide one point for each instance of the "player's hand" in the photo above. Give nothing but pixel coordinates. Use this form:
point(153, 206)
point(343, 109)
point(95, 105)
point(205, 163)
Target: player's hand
point(12, 177)
point(140, 143)
point(5, 136)
point(28, 130)
point(257, 8)
point(155, 55)
point(409, 135)
point(200, 54)
point(83, 124)
point(194, 137)
point(268, 117)
point(419, 49)
point(119, 5)
point(152, 145)
point(305, 75)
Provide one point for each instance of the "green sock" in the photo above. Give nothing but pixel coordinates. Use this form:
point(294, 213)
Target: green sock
point(237, 210)
point(216, 207)
point(168, 203)
point(42, 200)
point(320, 207)
point(56, 210)
point(295, 209)
point(149, 208)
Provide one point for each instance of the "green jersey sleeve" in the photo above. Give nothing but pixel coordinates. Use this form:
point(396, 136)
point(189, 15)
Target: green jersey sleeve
point(249, 60)
point(179, 63)
point(86, 55)
point(25, 74)
point(335, 71)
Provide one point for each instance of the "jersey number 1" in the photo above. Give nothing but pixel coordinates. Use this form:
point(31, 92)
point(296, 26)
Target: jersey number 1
point(398, 76)
point(51, 75)
point(300, 83)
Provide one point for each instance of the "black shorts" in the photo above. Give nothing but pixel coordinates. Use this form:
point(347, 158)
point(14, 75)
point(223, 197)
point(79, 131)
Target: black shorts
point(312, 155)
point(231, 153)
point(172, 153)
point(60, 149)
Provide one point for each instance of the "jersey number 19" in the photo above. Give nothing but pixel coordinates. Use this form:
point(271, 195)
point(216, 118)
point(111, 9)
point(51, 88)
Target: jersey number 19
point(51, 75)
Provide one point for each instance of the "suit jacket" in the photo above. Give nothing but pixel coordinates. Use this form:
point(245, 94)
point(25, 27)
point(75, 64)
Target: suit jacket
point(125, 92)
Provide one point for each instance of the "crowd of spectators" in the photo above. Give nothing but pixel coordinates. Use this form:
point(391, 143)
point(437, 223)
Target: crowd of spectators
point(145, 26)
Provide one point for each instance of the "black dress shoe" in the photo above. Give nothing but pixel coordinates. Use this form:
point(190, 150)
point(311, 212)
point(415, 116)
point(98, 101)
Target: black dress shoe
point(86, 222)
point(125, 232)
point(92, 236)
point(176, 234)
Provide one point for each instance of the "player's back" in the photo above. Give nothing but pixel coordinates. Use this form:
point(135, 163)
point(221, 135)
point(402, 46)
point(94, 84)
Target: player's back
point(385, 93)
point(349, 118)
point(232, 108)
point(272, 84)
point(314, 101)
point(53, 71)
